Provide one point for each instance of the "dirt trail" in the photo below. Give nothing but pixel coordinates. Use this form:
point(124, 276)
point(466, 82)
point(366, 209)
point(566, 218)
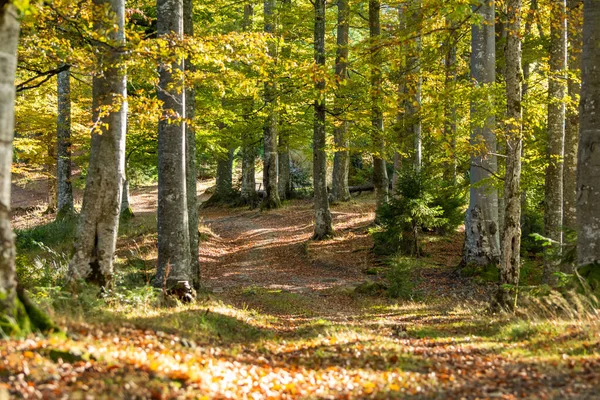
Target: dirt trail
point(273, 249)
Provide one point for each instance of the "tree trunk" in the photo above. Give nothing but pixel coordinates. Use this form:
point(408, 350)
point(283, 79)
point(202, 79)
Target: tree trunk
point(450, 166)
point(9, 38)
point(126, 212)
point(588, 155)
point(65, 189)
point(173, 224)
point(400, 128)
point(51, 173)
point(249, 139)
point(556, 139)
point(271, 124)
point(341, 157)
point(284, 178)
point(190, 153)
point(572, 125)
point(511, 238)
point(323, 224)
point(380, 178)
point(224, 181)
point(413, 88)
point(99, 219)
point(481, 225)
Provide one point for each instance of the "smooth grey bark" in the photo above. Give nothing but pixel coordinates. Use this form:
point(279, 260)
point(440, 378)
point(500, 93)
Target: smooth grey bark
point(125, 211)
point(414, 83)
point(482, 242)
point(380, 177)
point(51, 174)
point(323, 223)
point(249, 139)
point(191, 170)
point(284, 181)
point(450, 116)
point(341, 157)
point(272, 199)
point(173, 224)
point(575, 9)
point(9, 38)
point(588, 155)
point(400, 128)
point(511, 238)
point(63, 145)
point(98, 225)
point(557, 88)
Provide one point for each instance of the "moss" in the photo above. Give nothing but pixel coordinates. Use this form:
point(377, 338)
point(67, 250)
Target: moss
point(127, 214)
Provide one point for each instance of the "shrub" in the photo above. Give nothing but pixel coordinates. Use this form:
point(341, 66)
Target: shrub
point(400, 279)
point(406, 215)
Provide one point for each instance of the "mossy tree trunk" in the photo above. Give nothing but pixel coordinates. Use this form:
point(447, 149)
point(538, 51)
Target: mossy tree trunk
point(18, 315)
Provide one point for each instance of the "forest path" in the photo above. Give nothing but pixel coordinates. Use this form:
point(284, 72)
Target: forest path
point(272, 249)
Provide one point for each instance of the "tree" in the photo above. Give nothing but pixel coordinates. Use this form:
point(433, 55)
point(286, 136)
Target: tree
point(272, 199)
point(511, 238)
point(341, 157)
point(323, 225)
point(557, 86)
point(572, 124)
point(588, 156)
point(18, 315)
point(284, 180)
point(413, 87)
point(9, 38)
point(380, 178)
point(65, 189)
point(481, 224)
point(190, 152)
point(99, 219)
point(249, 138)
point(173, 224)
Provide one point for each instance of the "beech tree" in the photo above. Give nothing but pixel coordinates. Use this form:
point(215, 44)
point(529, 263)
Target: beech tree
point(557, 88)
point(173, 221)
point(588, 156)
point(99, 219)
point(272, 199)
point(510, 262)
point(63, 145)
point(380, 177)
point(482, 242)
point(341, 157)
point(323, 224)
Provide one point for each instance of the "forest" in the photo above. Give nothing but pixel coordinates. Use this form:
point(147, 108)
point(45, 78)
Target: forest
point(299, 199)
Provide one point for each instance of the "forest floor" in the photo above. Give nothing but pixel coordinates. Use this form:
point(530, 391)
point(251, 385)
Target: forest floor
point(282, 316)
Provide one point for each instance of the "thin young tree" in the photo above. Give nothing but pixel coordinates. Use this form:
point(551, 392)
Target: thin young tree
point(284, 179)
point(341, 158)
point(380, 177)
point(557, 90)
point(413, 87)
point(173, 222)
point(98, 226)
point(482, 241)
point(588, 155)
point(63, 144)
point(511, 237)
point(323, 223)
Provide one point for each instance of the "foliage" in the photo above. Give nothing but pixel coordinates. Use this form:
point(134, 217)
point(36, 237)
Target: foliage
point(400, 278)
point(410, 211)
